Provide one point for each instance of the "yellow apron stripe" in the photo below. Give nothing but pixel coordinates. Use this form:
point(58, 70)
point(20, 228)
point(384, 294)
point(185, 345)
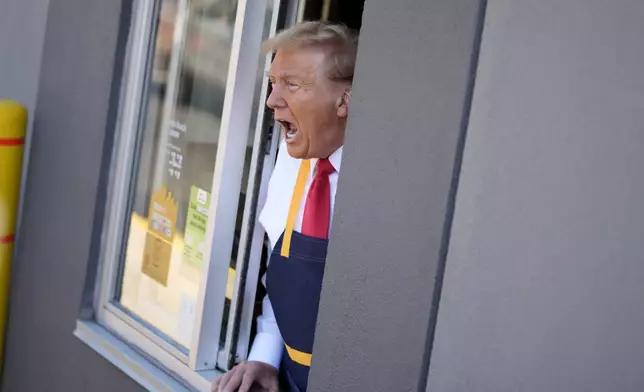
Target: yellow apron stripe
point(293, 210)
point(300, 357)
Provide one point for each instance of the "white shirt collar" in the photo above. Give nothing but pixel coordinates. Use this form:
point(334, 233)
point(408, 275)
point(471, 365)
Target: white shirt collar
point(335, 159)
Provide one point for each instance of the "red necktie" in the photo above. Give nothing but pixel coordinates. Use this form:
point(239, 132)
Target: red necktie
point(317, 210)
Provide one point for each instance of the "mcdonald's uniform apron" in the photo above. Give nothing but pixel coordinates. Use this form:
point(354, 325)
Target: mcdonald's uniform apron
point(293, 283)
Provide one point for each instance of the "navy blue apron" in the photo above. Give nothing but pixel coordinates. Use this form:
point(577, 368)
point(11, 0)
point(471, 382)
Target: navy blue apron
point(293, 283)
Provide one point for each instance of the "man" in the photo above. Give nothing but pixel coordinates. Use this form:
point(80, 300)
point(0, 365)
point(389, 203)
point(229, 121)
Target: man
point(311, 77)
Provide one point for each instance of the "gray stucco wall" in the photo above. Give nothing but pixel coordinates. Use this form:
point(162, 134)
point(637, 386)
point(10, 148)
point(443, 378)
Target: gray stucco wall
point(69, 140)
point(407, 114)
point(544, 280)
point(22, 32)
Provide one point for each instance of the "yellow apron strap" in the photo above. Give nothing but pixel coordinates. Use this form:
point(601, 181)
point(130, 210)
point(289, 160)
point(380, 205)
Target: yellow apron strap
point(300, 357)
point(293, 210)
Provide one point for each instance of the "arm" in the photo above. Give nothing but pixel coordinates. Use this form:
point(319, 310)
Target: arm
point(268, 345)
point(263, 360)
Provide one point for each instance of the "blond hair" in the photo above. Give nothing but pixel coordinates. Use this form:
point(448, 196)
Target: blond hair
point(339, 42)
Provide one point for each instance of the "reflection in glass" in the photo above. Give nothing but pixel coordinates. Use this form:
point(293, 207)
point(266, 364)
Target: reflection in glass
point(161, 272)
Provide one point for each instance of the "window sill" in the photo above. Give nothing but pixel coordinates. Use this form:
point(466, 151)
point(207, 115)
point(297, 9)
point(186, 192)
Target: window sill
point(138, 366)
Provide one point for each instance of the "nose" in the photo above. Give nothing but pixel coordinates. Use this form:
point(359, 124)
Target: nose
point(275, 100)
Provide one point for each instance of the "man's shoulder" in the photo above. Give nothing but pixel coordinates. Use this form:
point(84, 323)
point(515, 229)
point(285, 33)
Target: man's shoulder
point(280, 188)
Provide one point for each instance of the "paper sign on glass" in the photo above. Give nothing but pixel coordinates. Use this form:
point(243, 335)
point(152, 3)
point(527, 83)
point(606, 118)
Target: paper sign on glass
point(157, 252)
point(196, 227)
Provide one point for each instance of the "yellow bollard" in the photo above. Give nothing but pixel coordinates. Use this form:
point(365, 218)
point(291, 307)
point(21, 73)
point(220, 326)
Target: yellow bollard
point(13, 125)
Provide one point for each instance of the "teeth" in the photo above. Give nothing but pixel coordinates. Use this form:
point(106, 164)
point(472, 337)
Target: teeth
point(289, 129)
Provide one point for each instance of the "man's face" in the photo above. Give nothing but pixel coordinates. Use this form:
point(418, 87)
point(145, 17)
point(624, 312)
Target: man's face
point(311, 108)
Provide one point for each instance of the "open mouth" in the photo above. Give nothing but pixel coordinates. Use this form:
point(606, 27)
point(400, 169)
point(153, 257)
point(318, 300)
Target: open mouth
point(290, 129)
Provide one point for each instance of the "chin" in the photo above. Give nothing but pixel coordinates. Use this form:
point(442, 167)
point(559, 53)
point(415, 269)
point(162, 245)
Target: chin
point(295, 151)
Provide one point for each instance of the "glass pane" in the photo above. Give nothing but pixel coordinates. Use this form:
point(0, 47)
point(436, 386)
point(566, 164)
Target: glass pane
point(161, 267)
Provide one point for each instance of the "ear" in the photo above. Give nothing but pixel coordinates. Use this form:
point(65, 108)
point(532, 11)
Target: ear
point(342, 104)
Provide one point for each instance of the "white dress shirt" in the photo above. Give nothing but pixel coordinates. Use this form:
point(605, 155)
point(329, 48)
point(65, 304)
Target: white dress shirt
point(268, 345)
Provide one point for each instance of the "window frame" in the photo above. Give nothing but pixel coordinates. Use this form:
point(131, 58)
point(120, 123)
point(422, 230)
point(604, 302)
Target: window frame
point(196, 367)
point(252, 240)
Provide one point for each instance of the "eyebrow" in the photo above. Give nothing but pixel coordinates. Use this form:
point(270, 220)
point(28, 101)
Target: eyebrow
point(282, 75)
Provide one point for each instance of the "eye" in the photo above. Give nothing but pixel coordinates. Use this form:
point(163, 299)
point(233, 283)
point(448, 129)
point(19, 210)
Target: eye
point(292, 86)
